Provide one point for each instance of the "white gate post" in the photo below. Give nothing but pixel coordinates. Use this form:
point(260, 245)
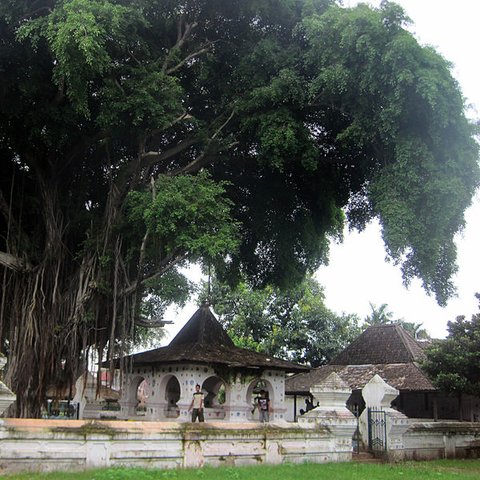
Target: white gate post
point(332, 412)
point(379, 394)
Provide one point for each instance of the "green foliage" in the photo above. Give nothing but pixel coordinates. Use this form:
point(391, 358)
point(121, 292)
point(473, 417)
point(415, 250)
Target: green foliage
point(172, 288)
point(78, 33)
point(335, 109)
point(146, 98)
point(305, 115)
point(454, 363)
point(187, 214)
point(292, 324)
point(364, 57)
point(415, 330)
point(381, 316)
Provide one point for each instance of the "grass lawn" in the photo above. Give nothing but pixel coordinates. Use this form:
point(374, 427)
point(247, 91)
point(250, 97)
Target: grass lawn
point(439, 470)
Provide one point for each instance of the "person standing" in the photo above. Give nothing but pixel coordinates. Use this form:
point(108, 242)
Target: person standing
point(264, 407)
point(197, 405)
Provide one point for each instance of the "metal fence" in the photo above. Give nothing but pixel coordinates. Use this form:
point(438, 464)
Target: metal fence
point(377, 430)
point(61, 410)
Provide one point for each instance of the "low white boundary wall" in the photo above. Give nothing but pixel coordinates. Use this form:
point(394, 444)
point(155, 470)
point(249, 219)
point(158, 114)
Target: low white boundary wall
point(433, 440)
point(47, 445)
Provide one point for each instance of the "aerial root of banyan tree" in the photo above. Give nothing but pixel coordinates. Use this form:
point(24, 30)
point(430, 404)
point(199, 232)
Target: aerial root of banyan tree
point(52, 316)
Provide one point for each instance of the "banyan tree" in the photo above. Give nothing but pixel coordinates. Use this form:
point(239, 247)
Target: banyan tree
point(137, 136)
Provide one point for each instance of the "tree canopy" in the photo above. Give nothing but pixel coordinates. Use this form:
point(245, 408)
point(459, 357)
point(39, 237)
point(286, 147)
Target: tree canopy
point(454, 362)
point(139, 135)
point(292, 324)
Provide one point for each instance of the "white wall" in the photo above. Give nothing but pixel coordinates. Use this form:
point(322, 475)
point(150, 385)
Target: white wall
point(47, 445)
point(239, 392)
point(446, 439)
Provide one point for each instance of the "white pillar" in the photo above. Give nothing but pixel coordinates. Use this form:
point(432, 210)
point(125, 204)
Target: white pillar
point(237, 408)
point(332, 412)
point(379, 395)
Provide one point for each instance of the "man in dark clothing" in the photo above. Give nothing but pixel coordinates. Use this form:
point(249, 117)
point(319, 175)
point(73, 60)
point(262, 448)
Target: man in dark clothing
point(264, 407)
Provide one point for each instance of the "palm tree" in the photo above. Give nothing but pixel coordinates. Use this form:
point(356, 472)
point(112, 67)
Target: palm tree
point(415, 329)
point(379, 315)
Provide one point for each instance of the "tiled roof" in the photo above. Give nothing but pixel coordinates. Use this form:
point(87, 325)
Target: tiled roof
point(203, 340)
point(402, 376)
point(387, 350)
point(381, 344)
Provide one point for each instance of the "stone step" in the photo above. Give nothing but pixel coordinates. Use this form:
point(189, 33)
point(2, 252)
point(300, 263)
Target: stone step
point(365, 457)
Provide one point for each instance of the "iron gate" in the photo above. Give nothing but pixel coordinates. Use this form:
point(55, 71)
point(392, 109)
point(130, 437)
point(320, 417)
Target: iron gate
point(377, 430)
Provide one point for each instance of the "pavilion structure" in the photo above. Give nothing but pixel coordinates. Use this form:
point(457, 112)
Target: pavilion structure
point(390, 352)
point(203, 353)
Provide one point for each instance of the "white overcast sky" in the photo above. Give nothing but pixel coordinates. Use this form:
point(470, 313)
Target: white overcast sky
point(357, 273)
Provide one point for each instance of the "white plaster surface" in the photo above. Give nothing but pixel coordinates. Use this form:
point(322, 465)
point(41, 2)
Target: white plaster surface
point(47, 445)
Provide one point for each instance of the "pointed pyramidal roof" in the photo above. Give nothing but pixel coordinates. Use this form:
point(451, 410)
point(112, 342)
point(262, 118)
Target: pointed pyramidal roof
point(381, 344)
point(202, 329)
point(203, 340)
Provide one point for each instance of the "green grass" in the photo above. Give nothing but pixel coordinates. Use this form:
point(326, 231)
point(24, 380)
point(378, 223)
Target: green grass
point(438, 470)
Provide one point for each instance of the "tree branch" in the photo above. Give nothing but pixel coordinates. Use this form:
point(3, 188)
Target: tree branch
point(32, 13)
point(4, 208)
point(168, 263)
point(150, 158)
point(181, 39)
point(187, 58)
point(202, 159)
point(143, 247)
point(194, 165)
point(224, 124)
point(11, 222)
point(183, 116)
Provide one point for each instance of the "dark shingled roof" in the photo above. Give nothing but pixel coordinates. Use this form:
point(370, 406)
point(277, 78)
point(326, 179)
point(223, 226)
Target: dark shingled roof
point(381, 344)
point(202, 329)
point(402, 376)
point(387, 350)
point(203, 340)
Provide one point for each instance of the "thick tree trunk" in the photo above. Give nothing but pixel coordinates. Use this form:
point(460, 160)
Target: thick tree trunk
point(45, 307)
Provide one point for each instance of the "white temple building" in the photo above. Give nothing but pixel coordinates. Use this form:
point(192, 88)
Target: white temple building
point(203, 353)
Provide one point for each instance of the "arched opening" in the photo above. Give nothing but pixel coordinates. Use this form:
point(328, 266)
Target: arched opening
point(254, 392)
point(215, 391)
point(172, 396)
point(142, 396)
